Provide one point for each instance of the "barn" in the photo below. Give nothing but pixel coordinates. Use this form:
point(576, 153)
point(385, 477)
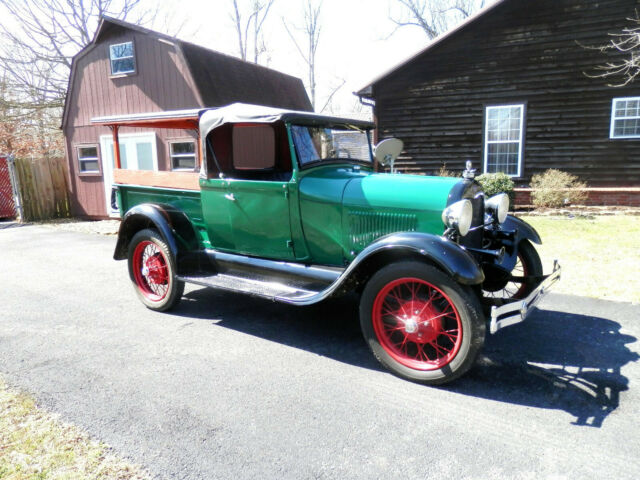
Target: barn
point(128, 69)
point(514, 90)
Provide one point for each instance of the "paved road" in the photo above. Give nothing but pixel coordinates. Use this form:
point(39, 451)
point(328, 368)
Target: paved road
point(232, 387)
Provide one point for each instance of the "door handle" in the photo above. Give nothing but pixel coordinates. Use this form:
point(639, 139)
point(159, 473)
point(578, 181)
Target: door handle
point(229, 196)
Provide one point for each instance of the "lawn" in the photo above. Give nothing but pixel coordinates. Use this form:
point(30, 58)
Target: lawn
point(600, 255)
point(36, 445)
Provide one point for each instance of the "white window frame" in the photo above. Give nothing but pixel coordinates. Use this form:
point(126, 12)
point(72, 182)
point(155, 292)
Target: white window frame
point(88, 159)
point(487, 142)
point(133, 56)
point(612, 134)
point(183, 155)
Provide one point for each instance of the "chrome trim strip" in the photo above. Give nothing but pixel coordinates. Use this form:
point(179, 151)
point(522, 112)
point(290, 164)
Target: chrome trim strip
point(504, 316)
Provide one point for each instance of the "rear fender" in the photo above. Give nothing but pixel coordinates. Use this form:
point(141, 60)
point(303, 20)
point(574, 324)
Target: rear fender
point(172, 224)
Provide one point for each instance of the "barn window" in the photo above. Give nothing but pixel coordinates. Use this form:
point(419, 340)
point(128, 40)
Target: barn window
point(122, 58)
point(88, 159)
point(625, 118)
point(183, 155)
point(503, 139)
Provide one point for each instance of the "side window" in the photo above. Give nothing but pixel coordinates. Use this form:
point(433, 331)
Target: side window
point(88, 159)
point(183, 155)
point(254, 147)
point(122, 58)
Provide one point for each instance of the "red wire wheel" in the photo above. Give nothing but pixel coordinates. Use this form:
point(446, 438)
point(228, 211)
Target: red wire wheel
point(152, 271)
point(417, 324)
point(420, 323)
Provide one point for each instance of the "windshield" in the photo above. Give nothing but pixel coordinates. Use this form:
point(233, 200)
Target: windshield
point(316, 144)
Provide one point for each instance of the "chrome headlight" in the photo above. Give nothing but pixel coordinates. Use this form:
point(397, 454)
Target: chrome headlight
point(498, 207)
point(458, 216)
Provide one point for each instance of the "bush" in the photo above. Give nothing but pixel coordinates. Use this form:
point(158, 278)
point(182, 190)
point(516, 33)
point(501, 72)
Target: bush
point(445, 172)
point(555, 189)
point(494, 183)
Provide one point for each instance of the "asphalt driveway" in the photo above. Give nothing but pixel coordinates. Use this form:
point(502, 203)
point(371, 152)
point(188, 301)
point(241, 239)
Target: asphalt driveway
point(232, 387)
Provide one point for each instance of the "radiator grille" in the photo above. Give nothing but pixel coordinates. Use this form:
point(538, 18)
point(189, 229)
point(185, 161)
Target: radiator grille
point(365, 227)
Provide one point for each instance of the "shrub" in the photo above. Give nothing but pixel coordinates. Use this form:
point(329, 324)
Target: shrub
point(555, 189)
point(494, 183)
point(444, 172)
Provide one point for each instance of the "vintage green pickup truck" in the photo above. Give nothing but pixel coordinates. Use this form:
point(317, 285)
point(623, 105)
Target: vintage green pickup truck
point(287, 206)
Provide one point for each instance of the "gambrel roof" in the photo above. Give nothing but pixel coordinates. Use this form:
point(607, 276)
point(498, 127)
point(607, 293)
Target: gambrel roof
point(220, 79)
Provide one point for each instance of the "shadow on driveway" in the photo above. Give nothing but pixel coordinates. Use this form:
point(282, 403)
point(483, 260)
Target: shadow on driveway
point(554, 360)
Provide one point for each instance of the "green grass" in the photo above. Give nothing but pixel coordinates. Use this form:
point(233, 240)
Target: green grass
point(599, 255)
point(36, 445)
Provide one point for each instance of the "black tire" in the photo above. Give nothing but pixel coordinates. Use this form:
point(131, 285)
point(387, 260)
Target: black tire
point(528, 265)
point(396, 341)
point(152, 271)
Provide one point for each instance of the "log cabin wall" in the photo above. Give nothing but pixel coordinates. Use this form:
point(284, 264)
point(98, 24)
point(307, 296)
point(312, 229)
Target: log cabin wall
point(520, 52)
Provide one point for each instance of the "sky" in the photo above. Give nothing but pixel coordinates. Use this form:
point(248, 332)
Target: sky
point(357, 40)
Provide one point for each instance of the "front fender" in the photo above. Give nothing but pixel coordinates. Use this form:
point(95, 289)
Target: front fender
point(173, 224)
point(523, 229)
point(445, 254)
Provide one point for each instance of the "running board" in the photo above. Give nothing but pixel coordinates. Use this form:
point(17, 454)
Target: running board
point(275, 291)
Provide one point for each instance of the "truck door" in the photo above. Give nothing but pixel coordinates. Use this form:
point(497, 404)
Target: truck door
point(259, 203)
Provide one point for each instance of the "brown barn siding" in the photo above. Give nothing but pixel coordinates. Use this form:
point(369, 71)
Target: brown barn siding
point(161, 82)
point(87, 191)
point(521, 52)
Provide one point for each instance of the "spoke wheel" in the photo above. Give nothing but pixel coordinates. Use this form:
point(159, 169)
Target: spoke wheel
point(417, 324)
point(420, 323)
point(518, 284)
point(152, 271)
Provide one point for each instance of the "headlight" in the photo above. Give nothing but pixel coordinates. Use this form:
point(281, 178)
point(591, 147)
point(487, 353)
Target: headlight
point(498, 206)
point(458, 215)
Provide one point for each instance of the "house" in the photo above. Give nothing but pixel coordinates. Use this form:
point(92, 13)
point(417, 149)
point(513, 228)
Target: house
point(512, 89)
point(127, 69)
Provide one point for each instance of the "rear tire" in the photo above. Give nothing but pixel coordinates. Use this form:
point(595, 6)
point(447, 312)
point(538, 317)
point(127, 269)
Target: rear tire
point(421, 324)
point(153, 272)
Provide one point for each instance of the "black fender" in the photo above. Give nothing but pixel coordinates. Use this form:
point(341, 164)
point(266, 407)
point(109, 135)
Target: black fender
point(441, 252)
point(523, 229)
point(173, 224)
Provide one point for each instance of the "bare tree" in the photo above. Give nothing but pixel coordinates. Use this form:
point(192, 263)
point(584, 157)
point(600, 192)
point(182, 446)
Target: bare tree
point(38, 39)
point(626, 45)
point(253, 21)
point(434, 16)
point(311, 30)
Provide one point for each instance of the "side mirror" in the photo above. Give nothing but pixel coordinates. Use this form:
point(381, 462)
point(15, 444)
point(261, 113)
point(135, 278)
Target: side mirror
point(387, 151)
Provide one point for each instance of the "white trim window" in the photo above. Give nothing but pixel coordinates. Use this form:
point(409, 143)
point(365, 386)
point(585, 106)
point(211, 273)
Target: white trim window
point(504, 125)
point(88, 159)
point(122, 58)
point(183, 155)
point(625, 118)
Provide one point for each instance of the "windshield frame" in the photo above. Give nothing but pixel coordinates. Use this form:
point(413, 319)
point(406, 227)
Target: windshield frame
point(331, 160)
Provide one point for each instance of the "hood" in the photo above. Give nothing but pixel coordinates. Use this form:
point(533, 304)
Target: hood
point(399, 192)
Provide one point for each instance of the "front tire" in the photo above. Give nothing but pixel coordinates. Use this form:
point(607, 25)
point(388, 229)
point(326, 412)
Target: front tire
point(152, 271)
point(421, 324)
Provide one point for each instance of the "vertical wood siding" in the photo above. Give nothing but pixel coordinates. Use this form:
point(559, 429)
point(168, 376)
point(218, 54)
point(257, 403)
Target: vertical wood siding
point(161, 82)
point(523, 51)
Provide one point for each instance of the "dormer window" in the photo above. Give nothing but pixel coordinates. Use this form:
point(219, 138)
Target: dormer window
point(122, 58)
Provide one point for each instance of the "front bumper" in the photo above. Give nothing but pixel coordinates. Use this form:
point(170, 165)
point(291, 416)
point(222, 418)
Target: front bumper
point(517, 311)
